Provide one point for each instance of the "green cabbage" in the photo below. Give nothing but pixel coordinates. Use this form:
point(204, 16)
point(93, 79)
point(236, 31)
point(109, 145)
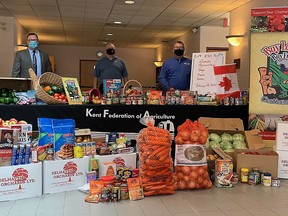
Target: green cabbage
point(214, 137)
point(239, 144)
point(214, 144)
point(229, 150)
point(226, 145)
point(238, 137)
point(226, 137)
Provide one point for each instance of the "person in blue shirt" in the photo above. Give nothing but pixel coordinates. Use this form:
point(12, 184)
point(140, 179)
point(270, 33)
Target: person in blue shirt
point(175, 73)
point(109, 67)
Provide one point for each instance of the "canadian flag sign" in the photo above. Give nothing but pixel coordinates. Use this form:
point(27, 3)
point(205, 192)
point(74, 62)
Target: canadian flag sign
point(227, 82)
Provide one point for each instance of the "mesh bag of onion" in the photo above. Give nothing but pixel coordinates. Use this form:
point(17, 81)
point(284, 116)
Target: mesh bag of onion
point(190, 157)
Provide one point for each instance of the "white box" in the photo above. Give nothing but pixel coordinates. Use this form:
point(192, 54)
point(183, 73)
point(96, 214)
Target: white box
point(282, 136)
point(64, 175)
point(107, 168)
point(121, 160)
point(25, 132)
point(282, 164)
point(21, 181)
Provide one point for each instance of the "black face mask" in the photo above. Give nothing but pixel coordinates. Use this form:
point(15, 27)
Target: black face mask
point(110, 51)
point(178, 52)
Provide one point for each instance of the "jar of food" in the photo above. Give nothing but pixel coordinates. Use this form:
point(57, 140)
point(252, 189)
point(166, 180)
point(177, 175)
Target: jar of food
point(275, 182)
point(109, 101)
point(267, 179)
point(244, 175)
point(257, 172)
point(107, 180)
point(85, 97)
point(234, 179)
point(124, 192)
point(78, 150)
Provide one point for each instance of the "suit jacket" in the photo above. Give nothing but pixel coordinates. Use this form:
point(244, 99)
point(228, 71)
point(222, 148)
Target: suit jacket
point(23, 62)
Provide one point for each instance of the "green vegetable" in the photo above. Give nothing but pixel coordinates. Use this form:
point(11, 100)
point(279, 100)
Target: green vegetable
point(50, 92)
point(238, 137)
point(226, 145)
point(55, 89)
point(6, 100)
point(239, 144)
point(214, 137)
point(226, 137)
point(214, 144)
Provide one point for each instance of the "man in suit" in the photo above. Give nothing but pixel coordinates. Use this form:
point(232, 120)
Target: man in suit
point(31, 58)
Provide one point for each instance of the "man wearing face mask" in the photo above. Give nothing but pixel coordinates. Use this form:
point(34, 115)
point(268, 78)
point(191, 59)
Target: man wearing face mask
point(176, 71)
point(109, 67)
point(31, 58)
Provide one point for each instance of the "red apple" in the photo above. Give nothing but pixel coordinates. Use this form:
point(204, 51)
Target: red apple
point(22, 122)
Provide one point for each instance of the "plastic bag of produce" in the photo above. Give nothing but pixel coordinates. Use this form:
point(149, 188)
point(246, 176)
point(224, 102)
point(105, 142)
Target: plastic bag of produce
point(154, 146)
point(190, 157)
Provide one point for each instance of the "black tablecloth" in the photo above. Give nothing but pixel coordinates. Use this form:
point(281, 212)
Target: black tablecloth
point(121, 118)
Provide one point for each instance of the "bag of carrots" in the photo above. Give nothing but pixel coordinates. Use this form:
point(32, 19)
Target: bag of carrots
point(190, 157)
point(154, 146)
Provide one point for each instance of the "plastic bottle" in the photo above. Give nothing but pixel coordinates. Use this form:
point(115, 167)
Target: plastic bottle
point(267, 179)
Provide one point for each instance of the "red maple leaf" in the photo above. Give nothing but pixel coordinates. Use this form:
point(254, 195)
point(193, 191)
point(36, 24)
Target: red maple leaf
point(226, 83)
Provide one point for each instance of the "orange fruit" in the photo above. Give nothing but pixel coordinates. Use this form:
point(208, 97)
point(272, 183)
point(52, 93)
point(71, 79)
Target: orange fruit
point(47, 88)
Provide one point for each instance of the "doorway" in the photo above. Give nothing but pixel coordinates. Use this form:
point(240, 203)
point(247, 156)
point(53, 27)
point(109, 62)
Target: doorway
point(86, 74)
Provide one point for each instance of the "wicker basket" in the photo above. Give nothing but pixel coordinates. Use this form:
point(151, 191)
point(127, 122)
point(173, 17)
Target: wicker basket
point(45, 78)
point(133, 85)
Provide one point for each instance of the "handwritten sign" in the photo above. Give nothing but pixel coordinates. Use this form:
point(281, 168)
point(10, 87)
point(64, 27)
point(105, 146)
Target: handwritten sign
point(202, 71)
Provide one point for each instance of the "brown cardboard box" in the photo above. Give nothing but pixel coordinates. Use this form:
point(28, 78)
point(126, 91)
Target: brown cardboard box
point(83, 135)
point(232, 126)
point(265, 160)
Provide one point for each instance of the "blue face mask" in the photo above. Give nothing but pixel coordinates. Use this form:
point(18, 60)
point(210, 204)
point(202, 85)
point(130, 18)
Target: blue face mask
point(33, 45)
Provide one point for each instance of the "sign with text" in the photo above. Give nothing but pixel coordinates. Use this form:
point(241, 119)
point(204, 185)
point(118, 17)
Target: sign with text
point(202, 71)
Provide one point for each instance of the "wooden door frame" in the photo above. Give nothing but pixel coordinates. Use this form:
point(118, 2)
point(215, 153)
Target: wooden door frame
point(81, 60)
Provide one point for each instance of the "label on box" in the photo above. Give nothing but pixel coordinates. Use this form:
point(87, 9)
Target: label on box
point(18, 182)
point(64, 175)
point(112, 87)
point(190, 155)
point(283, 164)
point(25, 132)
point(282, 136)
point(223, 173)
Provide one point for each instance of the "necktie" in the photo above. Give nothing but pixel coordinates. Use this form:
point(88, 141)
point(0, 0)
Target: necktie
point(34, 61)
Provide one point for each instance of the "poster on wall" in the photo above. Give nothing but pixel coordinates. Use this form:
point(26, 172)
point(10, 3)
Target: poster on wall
point(269, 74)
point(269, 19)
point(203, 79)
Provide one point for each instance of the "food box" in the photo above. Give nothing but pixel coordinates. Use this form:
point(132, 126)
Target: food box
point(83, 135)
point(265, 160)
point(25, 132)
point(16, 83)
point(282, 136)
point(112, 87)
point(64, 175)
point(223, 169)
point(282, 164)
point(121, 160)
point(233, 126)
point(22, 181)
point(108, 169)
point(8, 138)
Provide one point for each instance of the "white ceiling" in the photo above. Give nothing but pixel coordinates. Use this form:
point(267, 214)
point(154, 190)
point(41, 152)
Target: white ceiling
point(147, 23)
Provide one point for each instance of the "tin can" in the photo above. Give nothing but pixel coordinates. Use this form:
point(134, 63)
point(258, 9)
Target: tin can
point(237, 101)
point(85, 97)
point(276, 182)
point(122, 100)
point(234, 179)
point(115, 100)
point(78, 150)
point(231, 101)
point(103, 101)
point(116, 195)
point(252, 178)
point(244, 175)
point(173, 100)
point(128, 101)
point(105, 195)
point(256, 170)
point(226, 101)
point(109, 101)
point(124, 192)
point(162, 100)
point(134, 101)
point(140, 101)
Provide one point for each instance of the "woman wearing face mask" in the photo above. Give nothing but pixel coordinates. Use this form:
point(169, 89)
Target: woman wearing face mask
point(176, 71)
point(109, 67)
point(31, 58)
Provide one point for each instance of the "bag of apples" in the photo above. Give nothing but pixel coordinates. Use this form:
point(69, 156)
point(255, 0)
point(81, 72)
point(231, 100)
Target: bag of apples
point(190, 157)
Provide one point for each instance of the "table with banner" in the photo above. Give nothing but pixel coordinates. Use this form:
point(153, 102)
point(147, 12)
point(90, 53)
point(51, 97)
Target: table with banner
point(122, 118)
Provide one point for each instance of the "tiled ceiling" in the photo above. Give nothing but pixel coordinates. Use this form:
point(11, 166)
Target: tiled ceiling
point(146, 23)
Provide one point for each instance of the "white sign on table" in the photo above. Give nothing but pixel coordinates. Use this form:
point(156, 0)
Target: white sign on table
point(202, 71)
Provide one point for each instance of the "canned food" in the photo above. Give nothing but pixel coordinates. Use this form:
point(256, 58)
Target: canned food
point(275, 182)
point(237, 101)
point(140, 101)
point(231, 101)
point(124, 192)
point(85, 97)
point(226, 101)
point(103, 101)
point(78, 150)
point(109, 101)
point(116, 195)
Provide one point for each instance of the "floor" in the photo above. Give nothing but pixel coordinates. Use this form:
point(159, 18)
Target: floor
point(242, 200)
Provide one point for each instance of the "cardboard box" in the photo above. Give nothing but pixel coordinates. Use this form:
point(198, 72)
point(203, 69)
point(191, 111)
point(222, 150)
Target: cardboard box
point(83, 135)
point(108, 169)
point(25, 132)
point(22, 181)
point(233, 126)
point(64, 175)
point(121, 160)
point(282, 164)
point(8, 138)
point(112, 87)
point(282, 136)
point(265, 160)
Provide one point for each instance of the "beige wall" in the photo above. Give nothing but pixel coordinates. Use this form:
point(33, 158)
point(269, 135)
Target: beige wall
point(139, 62)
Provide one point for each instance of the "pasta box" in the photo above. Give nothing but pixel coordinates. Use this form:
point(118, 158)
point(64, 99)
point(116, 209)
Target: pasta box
point(22, 181)
point(64, 175)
